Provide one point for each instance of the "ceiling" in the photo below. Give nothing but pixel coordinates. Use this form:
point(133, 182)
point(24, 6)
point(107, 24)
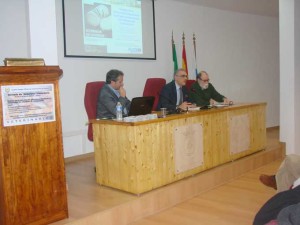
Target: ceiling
point(257, 7)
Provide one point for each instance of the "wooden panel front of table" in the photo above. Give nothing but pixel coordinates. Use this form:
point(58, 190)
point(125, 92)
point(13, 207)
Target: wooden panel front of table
point(137, 157)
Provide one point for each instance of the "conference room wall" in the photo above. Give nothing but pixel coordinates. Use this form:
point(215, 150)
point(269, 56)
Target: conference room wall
point(14, 30)
point(239, 51)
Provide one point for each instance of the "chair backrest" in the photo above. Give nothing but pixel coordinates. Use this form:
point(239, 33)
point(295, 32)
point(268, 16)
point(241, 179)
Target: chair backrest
point(189, 84)
point(153, 87)
point(92, 90)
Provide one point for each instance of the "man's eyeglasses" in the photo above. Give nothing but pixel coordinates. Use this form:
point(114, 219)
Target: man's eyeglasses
point(185, 76)
point(205, 80)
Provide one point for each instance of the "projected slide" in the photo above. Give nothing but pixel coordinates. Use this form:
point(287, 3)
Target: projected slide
point(112, 26)
point(109, 28)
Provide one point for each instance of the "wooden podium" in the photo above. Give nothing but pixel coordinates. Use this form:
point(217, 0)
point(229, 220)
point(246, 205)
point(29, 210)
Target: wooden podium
point(32, 172)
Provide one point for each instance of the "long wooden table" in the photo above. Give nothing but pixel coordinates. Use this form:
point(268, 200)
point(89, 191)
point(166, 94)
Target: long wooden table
point(137, 157)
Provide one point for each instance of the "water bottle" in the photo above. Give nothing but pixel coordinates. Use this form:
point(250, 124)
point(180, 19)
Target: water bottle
point(119, 111)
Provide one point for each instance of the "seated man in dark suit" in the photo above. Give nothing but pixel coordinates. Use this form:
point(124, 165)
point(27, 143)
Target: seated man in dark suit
point(174, 95)
point(112, 93)
point(203, 93)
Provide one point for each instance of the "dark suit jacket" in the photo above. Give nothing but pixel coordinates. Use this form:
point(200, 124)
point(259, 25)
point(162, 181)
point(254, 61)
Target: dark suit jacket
point(107, 101)
point(274, 205)
point(168, 97)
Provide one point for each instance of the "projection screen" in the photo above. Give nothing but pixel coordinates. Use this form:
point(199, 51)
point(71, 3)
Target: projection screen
point(109, 28)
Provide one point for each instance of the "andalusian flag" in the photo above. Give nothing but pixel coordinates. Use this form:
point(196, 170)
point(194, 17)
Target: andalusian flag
point(174, 55)
point(184, 61)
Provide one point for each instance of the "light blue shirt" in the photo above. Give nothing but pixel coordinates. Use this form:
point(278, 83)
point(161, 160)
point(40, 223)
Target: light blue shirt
point(178, 93)
point(115, 91)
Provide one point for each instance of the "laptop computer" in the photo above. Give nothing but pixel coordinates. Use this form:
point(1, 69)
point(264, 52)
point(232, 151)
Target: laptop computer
point(141, 105)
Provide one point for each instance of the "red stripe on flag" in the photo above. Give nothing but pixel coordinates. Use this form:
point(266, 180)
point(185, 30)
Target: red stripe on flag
point(184, 61)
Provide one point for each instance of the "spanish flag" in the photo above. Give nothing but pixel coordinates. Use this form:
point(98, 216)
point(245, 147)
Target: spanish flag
point(174, 54)
point(184, 61)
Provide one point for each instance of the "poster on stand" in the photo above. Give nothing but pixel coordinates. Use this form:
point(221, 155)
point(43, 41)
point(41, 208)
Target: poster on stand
point(28, 104)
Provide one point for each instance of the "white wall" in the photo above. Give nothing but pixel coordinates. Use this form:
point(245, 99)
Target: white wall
point(297, 77)
point(290, 74)
point(239, 51)
point(287, 73)
point(14, 29)
point(43, 38)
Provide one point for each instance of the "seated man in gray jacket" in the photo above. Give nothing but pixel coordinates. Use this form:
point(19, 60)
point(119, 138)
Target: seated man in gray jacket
point(112, 93)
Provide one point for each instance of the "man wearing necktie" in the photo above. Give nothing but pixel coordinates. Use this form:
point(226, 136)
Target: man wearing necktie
point(174, 95)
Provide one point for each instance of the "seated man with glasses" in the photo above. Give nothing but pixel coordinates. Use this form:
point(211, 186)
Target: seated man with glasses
point(174, 95)
point(203, 93)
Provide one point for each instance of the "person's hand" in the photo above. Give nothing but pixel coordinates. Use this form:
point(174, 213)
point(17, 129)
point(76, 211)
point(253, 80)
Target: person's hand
point(226, 101)
point(185, 105)
point(192, 106)
point(122, 92)
point(212, 102)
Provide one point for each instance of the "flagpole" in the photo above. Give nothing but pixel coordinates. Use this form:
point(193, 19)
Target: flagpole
point(195, 55)
point(184, 61)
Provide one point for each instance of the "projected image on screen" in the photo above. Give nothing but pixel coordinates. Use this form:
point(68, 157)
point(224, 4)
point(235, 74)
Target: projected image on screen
point(109, 28)
point(97, 21)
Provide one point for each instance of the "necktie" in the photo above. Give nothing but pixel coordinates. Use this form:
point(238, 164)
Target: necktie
point(180, 96)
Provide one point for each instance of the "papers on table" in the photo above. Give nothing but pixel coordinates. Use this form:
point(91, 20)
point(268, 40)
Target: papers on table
point(219, 105)
point(194, 108)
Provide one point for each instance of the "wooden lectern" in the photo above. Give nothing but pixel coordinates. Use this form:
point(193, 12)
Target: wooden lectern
point(32, 172)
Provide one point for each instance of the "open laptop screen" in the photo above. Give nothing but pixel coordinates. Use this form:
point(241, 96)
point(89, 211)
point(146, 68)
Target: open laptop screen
point(141, 105)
